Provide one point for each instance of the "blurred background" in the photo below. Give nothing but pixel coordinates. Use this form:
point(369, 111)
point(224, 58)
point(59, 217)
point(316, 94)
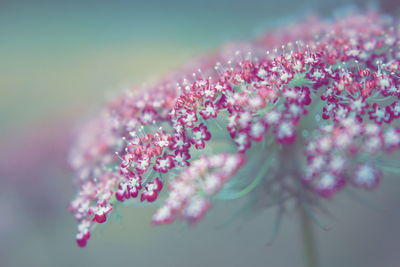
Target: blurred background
point(58, 62)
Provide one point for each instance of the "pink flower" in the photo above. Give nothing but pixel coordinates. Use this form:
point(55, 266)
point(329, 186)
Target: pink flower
point(83, 234)
point(181, 158)
point(196, 209)
point(379, 114)
point(301, 122)
point(366, 176)
point(200, 135)
point(209, 111)
point(188, 118)
point(151, 190)
point(164, 163)
point(100, 213)
point(129, 188)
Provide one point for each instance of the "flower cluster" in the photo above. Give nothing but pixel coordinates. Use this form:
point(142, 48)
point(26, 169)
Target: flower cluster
point(322, 95)
point(328, 154)
point(189, 190)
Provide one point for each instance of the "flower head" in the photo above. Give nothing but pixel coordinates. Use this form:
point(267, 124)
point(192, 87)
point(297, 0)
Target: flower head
point(305, 120)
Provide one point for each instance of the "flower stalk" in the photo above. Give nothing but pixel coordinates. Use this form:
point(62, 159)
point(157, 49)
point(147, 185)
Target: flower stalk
point(308, 239)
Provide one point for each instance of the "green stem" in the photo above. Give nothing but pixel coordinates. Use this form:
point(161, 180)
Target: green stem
point(310, 249)
point(260, 176)
point(394, 170)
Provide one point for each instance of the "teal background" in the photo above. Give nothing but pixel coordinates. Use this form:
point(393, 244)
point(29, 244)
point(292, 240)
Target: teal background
point(60, 60)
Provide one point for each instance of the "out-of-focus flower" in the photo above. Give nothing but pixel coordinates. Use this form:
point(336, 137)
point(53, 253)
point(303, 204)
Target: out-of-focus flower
point(320, 97)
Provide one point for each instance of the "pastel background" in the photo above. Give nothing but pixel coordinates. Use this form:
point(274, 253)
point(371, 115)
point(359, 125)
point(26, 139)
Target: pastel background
point(60, 60)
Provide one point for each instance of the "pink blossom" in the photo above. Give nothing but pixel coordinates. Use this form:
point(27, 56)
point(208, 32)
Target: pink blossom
point(302, 112)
